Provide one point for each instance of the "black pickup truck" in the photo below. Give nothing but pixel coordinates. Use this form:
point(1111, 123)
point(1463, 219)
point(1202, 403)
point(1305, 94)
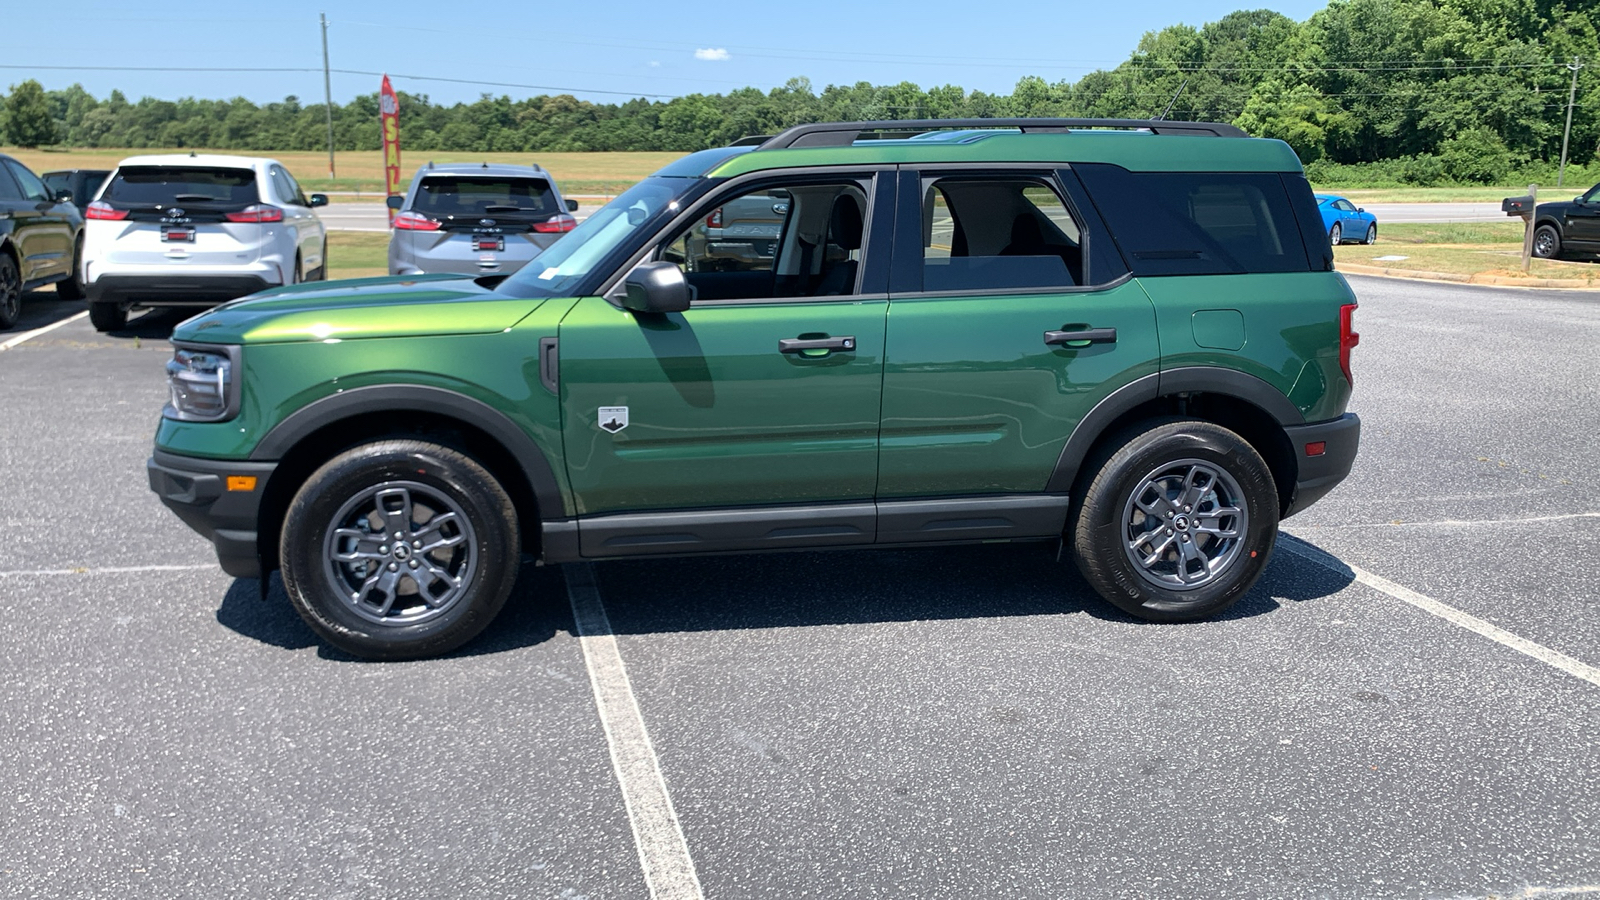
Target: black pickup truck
point(1568, 228)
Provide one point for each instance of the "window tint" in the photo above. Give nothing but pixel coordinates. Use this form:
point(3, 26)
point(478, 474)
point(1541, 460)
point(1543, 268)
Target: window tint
point(789, 240)
point(166, 185)
point(1344, 206)
point(446, 196)
point(8, 186)
point(280, 185)
point(997, 234)
point(296, 195)
point(59, 181)
point(1191, 223)
point(32, 187)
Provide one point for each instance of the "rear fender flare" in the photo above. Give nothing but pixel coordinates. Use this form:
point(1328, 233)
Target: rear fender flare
point(1187, 380)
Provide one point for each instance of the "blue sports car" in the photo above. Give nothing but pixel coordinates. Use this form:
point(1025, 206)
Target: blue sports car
point(1344, 221)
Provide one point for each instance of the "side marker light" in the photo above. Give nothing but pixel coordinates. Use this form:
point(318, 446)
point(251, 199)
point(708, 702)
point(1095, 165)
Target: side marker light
point(241, 482)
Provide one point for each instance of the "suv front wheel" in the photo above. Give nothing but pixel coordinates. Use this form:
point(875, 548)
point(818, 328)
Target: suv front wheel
point(1178, 522)
point(399, 549)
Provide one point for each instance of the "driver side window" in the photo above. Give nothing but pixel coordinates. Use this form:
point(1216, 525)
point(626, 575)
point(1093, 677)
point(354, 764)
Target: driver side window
point(786, 240)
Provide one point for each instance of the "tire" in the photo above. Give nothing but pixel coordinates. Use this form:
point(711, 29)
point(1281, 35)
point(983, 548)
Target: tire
point(1151, 470)
point(295, 277)
point(426, 603)
point(322, 270)
point(1372, 234)
point(1336, 235)
point(10, 291)
point(1546, 242)
point(108, 315)
point(71, 289)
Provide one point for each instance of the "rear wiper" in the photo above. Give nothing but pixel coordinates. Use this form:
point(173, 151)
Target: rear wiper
point(506, 209)
point(193, 198)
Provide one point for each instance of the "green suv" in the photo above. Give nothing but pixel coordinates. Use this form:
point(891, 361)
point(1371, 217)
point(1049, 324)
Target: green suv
point(1123, 335)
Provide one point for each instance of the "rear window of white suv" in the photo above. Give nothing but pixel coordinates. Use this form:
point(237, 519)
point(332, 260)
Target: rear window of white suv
point(166, 185)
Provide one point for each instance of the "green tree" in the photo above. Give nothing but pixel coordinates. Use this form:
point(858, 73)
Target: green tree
point(27, 116)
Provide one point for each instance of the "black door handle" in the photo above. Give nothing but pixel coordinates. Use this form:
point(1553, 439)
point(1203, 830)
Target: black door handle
point(1091, 335)
point(797, 345)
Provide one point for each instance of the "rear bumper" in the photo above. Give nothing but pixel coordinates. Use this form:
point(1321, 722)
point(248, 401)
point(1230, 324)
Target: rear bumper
point(197, 490)
point(1321, 474)
point(174, 289)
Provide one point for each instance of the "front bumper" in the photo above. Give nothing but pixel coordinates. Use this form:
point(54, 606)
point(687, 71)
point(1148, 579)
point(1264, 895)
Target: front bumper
point(199, 491)
point(174, 289)
point(1320, 474)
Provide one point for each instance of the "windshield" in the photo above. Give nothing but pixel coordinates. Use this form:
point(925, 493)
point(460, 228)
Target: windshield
point(562, 269)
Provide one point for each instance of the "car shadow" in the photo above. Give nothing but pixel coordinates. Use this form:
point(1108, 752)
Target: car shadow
point(787, 590)
point(155, 324)
point(41, 308)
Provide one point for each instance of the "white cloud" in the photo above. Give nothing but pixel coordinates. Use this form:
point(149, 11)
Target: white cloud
point(655, 63)
point(717, 54)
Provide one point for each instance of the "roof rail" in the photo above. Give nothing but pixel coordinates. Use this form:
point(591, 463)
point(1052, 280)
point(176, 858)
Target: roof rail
point(751, 140)
point(843, 134)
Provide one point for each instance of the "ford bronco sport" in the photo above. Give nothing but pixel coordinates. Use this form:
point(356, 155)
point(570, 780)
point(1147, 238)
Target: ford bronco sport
point(1122, 335)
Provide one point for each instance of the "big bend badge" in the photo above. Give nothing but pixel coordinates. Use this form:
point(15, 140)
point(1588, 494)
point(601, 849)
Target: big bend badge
point(613, 418)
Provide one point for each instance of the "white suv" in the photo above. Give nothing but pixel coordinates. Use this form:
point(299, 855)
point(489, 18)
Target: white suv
point(192, 230)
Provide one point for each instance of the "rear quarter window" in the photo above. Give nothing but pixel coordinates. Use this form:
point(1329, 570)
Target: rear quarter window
point(1198, 223)
point(166, 185)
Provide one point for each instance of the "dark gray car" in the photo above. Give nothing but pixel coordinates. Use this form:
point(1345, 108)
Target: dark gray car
point(476, 219)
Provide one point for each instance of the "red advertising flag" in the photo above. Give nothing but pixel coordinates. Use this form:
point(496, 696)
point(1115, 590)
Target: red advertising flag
point(389, 115)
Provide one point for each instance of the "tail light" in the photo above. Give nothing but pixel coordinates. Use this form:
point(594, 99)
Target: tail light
point(102, 210)
point(261, 212)
point(1348, 338)
point(557, 225)
point(414, 221)
point(715, 219)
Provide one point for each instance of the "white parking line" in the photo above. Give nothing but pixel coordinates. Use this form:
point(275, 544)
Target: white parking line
point(30, 335)
point(107, 570)
point(1445, 611)
point(663, 851)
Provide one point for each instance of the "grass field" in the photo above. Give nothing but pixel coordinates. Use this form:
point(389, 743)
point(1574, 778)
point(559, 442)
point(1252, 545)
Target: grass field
point(575, 173)
point(355, 254)
point(1476, 248)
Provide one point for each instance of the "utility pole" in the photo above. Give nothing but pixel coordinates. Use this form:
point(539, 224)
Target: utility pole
point(1572, 94)
point(327, 97)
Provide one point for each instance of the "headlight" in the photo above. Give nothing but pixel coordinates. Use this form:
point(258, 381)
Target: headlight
point(203, 381)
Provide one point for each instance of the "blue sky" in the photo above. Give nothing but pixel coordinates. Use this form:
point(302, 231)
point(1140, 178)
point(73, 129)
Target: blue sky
point(600, 51)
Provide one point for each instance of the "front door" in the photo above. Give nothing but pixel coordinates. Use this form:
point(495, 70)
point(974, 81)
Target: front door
point(1009, 319)
point(763, 394)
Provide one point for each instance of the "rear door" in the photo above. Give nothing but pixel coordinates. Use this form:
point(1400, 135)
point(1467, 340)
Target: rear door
point(44, 227)
point(302, 222)
point(765, 393)
point(1010, 317)
point(183, 215)
point(1583, 218)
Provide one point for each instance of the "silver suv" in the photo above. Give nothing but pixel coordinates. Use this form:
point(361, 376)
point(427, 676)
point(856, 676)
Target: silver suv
point(476, 219)
point(196, 230)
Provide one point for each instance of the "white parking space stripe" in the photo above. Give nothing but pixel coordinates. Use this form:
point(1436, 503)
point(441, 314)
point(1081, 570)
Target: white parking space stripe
point(1445, 611)
point(30, 335)
point(663, 850)
point(108, 570)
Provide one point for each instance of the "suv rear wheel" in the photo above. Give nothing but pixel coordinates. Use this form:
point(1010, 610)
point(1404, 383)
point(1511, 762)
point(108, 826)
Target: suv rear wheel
point(399, 549)
point(71, 289)
point(10, 291)
point(108, 315)
point(1179, 521)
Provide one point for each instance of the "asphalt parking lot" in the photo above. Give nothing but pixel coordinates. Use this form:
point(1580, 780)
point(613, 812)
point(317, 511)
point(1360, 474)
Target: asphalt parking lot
point(1407, 705)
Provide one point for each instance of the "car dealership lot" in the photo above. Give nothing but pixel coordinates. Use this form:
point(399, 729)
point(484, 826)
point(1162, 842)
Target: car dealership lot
point(937, 723)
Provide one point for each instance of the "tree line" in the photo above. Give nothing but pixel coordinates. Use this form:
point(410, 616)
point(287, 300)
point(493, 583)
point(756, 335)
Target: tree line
point(1409, 91)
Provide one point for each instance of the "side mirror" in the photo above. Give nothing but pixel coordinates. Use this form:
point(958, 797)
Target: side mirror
point(319, 200)
point(572, 206)
point(394, 201)
point(63, 196)
point(1361, 209)
point(656, 287)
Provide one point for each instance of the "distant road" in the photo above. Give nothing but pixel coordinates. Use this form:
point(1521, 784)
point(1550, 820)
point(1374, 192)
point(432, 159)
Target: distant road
point(1400, 213)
